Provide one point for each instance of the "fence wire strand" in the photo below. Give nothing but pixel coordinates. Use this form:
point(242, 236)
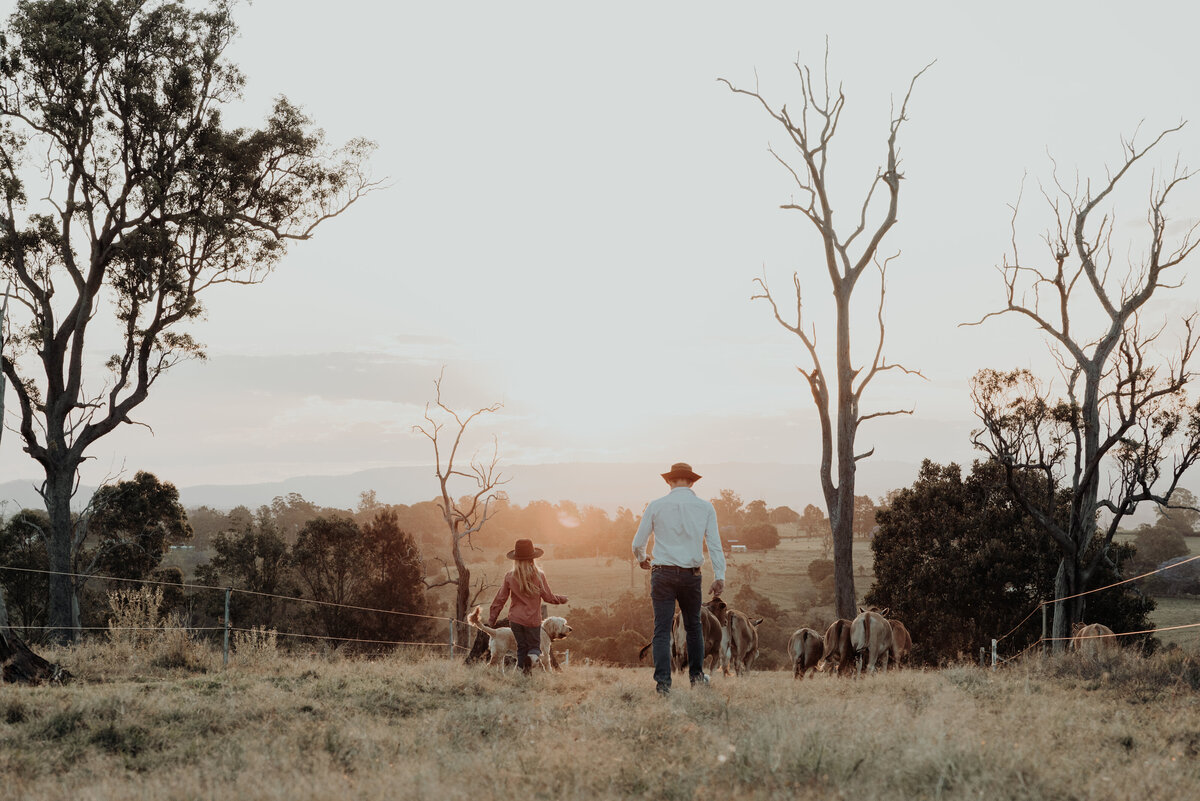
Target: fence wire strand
point(437, 644)
point(1098, 589)
point(1042, 640)
point(294, 634)
point(188, 586)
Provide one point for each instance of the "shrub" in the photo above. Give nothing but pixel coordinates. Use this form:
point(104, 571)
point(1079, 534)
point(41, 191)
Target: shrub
point(137, 624)
point(256, 645)
point(135, 616)
point(820, 569)
point(760, 537)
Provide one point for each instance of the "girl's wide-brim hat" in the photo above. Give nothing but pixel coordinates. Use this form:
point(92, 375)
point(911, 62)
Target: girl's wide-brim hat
point(525, 550)
point(681, 470)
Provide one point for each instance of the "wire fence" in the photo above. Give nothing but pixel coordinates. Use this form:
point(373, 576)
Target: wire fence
point(1043, 604)
point(450, 643)
point(187, 586)
point(454, 625)
point(1163, 569)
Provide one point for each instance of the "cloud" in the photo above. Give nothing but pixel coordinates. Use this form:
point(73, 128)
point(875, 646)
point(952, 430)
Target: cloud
point(365, 376)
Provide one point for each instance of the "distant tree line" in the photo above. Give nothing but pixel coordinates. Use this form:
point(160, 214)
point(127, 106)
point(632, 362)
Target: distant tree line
point(334, 559)
point(289, 548)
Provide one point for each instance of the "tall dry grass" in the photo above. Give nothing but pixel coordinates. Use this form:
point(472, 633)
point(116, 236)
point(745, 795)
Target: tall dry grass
point(280, 727)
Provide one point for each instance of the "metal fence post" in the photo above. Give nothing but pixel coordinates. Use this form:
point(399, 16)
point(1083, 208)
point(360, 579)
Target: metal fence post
point(228, 592)
point(452, 621)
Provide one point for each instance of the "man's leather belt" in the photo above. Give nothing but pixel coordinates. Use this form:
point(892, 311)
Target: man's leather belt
point(695, 571)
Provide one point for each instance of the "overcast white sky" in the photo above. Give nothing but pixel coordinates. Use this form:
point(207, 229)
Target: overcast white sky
point(577, 210)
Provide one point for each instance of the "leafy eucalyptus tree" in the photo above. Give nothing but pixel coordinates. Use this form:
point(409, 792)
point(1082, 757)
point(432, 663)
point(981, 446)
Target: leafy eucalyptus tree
point(123, 196)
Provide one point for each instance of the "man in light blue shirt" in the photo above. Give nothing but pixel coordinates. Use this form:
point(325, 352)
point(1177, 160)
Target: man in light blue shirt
point(681, 524)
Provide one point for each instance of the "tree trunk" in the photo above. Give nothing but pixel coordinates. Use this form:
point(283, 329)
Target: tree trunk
point(844, 570)
point(843, 559)
point(841, 508)
point(59, 539)
point(462, 594)
point(1067, 582)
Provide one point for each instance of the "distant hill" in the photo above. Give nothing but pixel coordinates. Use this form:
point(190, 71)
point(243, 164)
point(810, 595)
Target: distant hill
point(606, 485)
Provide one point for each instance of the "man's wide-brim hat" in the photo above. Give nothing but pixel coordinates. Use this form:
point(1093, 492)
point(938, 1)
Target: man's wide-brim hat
point(681, 470)
point(525, 550)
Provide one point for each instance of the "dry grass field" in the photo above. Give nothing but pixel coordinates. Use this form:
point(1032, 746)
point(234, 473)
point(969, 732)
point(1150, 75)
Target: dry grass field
point(1178, 612)
point(276, 727)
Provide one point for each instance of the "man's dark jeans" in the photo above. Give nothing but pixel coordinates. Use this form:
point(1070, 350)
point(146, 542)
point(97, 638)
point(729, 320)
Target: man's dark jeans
point(668, 587)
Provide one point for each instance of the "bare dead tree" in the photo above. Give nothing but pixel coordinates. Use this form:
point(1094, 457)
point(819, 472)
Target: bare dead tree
point(847, 255)
point(1124, 430)
point(467, 514)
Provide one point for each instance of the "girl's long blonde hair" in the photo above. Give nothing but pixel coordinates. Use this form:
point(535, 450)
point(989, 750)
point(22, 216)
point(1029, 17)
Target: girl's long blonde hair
point(526, 574)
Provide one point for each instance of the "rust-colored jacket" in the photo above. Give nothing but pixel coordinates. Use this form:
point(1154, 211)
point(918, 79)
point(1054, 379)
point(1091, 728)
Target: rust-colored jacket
point(525, 610)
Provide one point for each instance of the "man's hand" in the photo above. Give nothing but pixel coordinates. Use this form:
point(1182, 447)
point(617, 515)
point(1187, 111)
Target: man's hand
point(642, 558)
point(718, 587)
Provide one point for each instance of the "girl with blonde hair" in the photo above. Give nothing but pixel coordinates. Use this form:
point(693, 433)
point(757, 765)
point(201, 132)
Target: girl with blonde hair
point(526, 586)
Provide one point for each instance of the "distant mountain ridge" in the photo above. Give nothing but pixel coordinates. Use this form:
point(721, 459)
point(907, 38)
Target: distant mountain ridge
point(605, 485)
point(602, 484)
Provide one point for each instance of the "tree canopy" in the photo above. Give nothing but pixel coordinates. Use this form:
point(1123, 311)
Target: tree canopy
point(123, 197)
point(960, 562)
point(132, 523)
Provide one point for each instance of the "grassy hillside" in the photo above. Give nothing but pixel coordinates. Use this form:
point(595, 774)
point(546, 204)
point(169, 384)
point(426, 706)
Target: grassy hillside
point(271, 727)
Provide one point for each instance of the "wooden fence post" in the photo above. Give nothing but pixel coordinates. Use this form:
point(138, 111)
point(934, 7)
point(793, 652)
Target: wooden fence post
point(993, 654)
point(452, 622)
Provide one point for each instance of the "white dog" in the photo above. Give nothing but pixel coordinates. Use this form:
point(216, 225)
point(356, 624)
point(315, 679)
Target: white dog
point(503, 642)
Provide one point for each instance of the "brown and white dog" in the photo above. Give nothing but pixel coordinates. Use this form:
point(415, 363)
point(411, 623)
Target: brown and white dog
point(503, 642)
